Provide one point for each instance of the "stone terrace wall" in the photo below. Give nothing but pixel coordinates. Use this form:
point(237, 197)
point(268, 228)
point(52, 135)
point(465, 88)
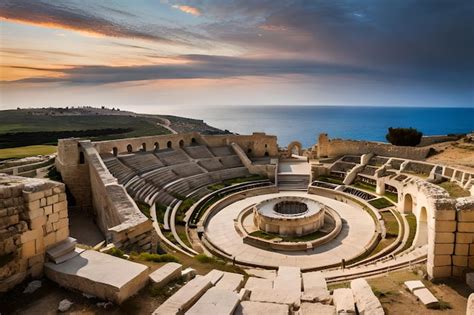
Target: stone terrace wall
point(255, 145)
point(338, 147)
point(463, 258)
point(117, 214)
point(33, 218)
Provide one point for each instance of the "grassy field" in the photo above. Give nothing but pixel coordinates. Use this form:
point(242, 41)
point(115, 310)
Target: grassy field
point(20, 152)
point(454, 190)
point(380, 203)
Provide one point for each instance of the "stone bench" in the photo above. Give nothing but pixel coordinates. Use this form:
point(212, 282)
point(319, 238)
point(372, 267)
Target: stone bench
point(165, 274)
point(344, 301)
point(218, 301)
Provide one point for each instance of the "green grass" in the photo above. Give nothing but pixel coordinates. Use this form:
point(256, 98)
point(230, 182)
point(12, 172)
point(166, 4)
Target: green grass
point(144, 208)
point(116, 252)
point(411, 219)
point(183, 207)
point(364, 186)
point(160, 212)
point(305, 238)
point(330, 179)
point(21, 152)
point(392, 196)
point(155, 257)
point(215, 187)
point(181, 231)
point(454, 190)
point(391, 224)
point(380, 203)
point(240, 180)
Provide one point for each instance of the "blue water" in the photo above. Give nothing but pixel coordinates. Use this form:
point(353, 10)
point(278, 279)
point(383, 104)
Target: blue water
point(304, 123)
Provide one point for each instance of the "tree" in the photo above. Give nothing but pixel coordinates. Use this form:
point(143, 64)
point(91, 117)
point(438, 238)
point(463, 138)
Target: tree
point(404, 136)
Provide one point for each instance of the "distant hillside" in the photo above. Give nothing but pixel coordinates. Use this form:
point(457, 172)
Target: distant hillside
point(35, 126)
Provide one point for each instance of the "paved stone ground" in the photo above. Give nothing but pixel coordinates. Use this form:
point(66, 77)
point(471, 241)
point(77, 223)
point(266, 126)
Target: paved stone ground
point(294, 168)
point(358, 228)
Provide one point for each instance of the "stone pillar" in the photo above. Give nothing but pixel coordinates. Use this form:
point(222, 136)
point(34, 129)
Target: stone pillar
point(323, 145)
point(441, 235)
point(380, 186)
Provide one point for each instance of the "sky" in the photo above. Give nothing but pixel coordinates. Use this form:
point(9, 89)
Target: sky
point(145, 53)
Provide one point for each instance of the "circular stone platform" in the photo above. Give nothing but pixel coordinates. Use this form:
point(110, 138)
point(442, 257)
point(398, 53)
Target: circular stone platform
point(357, 230)
point(289, 215)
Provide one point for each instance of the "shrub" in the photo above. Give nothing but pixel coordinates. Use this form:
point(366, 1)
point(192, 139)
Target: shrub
point(116, 252)
point(404, 136)
point(204, 259)
point(157, 257)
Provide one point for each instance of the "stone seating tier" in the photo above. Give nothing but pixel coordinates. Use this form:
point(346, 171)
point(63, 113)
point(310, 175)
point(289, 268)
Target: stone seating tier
point(222, 151)
point(231, 161)
point(172, 157)
point(119, 170)
point(211, 164)
point(141, 162)
point(198, 152)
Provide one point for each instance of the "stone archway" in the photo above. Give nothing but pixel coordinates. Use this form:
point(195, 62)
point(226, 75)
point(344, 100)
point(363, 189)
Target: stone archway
point(421, 237)
point(407, 204)
point(129, 148)
point(295, 148)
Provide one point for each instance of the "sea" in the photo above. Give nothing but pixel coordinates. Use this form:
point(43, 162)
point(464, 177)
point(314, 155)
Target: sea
point(305, 123)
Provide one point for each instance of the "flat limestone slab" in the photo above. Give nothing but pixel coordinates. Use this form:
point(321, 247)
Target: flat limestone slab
point(101, 275)
point(344, 301)
point(414, 285)
point(426, 297)
point(185, 297)
point(315, 288)
point(254, 283)
point(366, 301)
point(214, 276)
point(166, 273)
point(259, 308)
point(317, 308)
point(230, 281)
point(287, 284)
point(215, 301)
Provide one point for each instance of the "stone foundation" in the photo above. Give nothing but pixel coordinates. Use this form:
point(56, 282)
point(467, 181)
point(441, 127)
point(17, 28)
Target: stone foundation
point(33, 218)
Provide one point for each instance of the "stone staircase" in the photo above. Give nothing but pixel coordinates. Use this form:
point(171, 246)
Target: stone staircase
point(293, 181)
point(63, 251)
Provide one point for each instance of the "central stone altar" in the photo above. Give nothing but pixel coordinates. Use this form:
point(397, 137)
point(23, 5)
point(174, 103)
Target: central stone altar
point(289, 215)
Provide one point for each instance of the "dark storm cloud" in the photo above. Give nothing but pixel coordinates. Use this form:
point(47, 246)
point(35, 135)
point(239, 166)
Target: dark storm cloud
point(404, 36)
point(199, 66)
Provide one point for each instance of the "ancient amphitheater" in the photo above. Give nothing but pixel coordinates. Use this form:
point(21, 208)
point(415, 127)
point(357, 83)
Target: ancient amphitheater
point(339, 211)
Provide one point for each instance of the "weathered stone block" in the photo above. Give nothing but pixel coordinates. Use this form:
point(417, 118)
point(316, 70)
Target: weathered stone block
point(464, 238)
point(42, 202)
point(443, 249)
point(444, 237)
point(48, 210)
point(33, 196)
point(62, 234)
point(34, 213)
point(165, 274)
point(62, 214)
point(49, 239)
point(460, 261)
point(466, 226)
point(33, 205)
point(60, 206)
point(53, 217)
point(31, 235)
point(28, 249)
point(461, 249)
point(438, 271)
point(442, 260)
point(62, 197)
point(52, 199)
point(38, 222)
point(466, 215)
point(445, 226)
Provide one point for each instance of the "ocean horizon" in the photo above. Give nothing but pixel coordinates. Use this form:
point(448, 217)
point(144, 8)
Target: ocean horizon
point(305, 123)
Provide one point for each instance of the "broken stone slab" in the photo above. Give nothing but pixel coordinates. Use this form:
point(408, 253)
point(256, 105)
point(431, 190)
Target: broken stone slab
point(315, 288)
point(426, 297)
point(288, 284)
point(62, 248)
point(185, 297)
point(470, 305)
point(414, 285)
point(64, 305)
point(165, 274)
point(252, 308)
point(188, 274)
point(68, 255)
point(32, 286)
point(344, 301)
point(214, 276)
point(230, 281)
point(317, 308)
point(215, 301)
point(101, 275)
point(254, 283)
point(276, 296)
point(365, 299)
point(244, 294)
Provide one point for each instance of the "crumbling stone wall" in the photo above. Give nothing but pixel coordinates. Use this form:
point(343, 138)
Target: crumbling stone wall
point(33, 218)
point(338, 147)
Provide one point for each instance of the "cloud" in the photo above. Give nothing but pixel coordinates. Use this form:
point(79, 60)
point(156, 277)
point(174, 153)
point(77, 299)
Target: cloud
point(199, 67)
point(188, 9)
point(62, 16)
